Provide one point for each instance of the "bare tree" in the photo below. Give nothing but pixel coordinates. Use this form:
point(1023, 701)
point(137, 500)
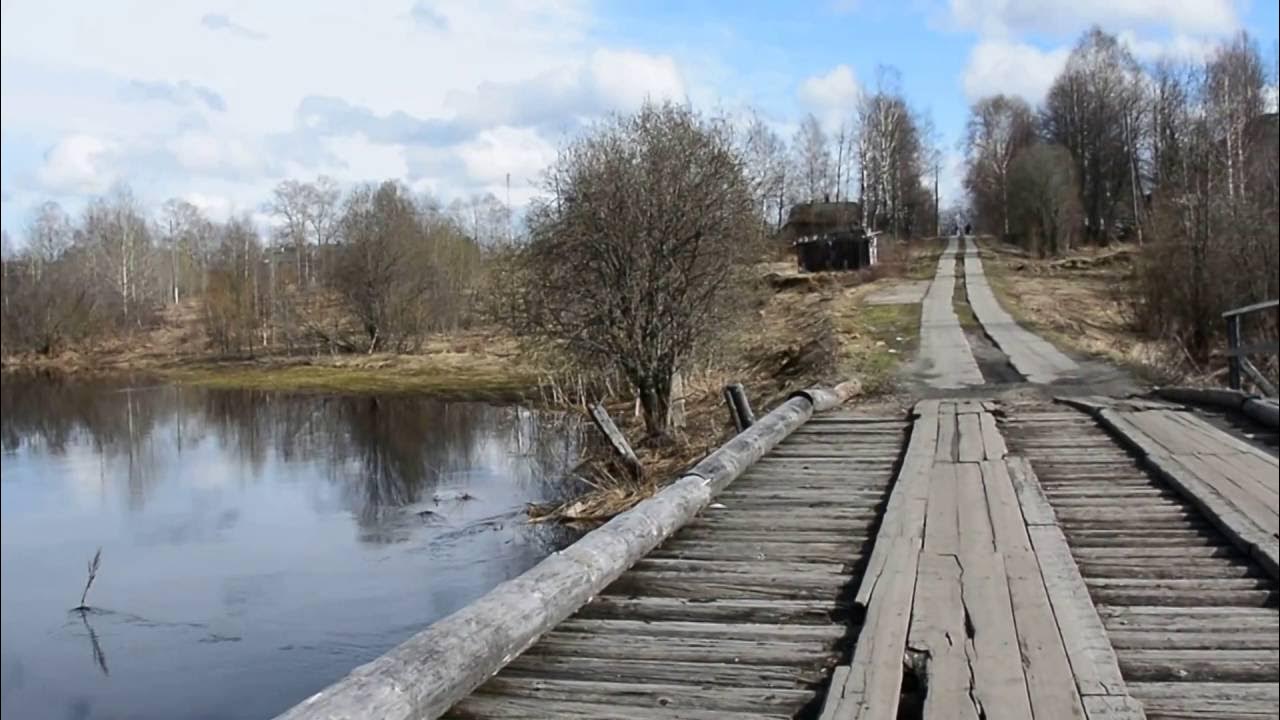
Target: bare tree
point(291, 204)
point(767, 169)
point(634, 259)
point(814, 167)
point(999, 127)
point(119, 237)
point(181, 232)
point(888, 150)
point(1093, 109)
point(1043, 203)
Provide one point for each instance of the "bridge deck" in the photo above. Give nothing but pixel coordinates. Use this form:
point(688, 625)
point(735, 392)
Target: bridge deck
point(742, 613)
point(1053, 573)
point(1193, 620)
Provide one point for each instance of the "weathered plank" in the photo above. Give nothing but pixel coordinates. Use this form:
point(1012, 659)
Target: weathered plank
point(1044, 661)
point(971, 447)
point(1035, 506)
point(664, 671)
point(993, 445)
point(1093, 661)
point(724, 610)
point(938, 637)
point(518, 708)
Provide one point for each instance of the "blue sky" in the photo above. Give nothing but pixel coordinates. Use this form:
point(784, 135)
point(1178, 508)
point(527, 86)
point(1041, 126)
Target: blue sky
point(216, 101)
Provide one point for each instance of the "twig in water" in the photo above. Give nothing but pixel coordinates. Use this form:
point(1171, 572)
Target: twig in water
point(93, 573)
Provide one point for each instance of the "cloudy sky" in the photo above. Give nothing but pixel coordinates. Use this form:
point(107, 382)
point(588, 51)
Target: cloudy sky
point(216, 101)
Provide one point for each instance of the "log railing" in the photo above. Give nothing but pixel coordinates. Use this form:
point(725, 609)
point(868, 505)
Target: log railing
point(1238, 363)
point(427, 674)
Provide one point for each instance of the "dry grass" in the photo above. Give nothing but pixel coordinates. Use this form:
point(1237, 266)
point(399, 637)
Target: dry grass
point(1081, 303)
point(807, 330)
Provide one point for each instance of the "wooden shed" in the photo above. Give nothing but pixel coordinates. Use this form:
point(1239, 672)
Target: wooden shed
point(829, 236)
point(840, 250)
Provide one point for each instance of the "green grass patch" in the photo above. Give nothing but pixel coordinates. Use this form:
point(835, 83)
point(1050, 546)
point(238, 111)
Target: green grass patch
point(450, 382)
point(878, 338)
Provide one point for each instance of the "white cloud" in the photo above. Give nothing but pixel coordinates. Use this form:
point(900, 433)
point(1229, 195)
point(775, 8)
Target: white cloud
point(77, 164)
point(205, 152)
point(996, 66)
point(624, 79)
point(1005, 17)
point(1178, 47)
point(450, 95)
point(831, 97)
point(494, 153)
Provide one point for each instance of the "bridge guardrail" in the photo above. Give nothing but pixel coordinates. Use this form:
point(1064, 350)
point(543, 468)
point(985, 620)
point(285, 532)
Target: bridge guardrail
point(1237, 354)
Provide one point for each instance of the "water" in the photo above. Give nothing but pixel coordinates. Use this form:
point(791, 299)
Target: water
point(255, 546)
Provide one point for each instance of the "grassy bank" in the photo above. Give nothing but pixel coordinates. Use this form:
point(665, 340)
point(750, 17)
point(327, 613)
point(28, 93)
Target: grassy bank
point(1080, 304)
point(399, 375)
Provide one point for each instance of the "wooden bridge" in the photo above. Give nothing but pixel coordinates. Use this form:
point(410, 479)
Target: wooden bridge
point(1074, 557)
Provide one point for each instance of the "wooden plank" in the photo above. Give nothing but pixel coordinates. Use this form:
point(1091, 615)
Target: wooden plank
point(518, 708)
point(904, 513)
point(1035, 506)
point(661, 671)
point(681, 628)
point(1093, 661)
point(946, 450)
point(941, 528)
point(1000, 686)
point(971, 440)
point(735, 610)
point(1113, 707)
point(873, 686)
point(1044, 660)
point(938, 636)
point(687, 649)
point(839, 678)
point(1242, 531)
point(707, 586)
point(993, 445)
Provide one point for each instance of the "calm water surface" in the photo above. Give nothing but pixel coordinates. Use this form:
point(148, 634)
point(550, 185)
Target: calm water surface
point(255, 546)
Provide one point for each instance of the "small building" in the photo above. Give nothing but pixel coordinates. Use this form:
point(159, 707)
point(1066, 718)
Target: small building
point(829, 236)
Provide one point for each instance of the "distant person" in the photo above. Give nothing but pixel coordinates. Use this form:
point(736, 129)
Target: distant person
point(966, 229)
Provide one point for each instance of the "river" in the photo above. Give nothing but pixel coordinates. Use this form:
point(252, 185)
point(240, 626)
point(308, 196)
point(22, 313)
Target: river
point(255, 546)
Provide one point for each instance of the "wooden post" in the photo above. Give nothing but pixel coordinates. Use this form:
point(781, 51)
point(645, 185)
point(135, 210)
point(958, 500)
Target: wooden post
point(601, 418)
point(1233, 347)
point(735, 396)
point(675, 408)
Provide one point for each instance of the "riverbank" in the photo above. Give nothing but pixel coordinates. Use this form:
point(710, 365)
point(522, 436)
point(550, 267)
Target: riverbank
point(803, 330)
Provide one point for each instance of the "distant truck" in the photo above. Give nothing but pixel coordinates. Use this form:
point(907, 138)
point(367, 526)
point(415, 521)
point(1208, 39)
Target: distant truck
point(829, 236)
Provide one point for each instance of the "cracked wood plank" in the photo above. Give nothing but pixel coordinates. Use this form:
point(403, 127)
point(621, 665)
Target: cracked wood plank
point(1000, 686)
point(1052, 693)
point(936, 643)
point(872, 686)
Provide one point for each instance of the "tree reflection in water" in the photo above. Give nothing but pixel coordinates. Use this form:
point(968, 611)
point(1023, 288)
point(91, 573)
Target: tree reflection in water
point(386, 453)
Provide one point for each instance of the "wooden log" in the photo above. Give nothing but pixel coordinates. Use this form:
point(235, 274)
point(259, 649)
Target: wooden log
point(425, 675)
point(618, 441)
point(1216, 397)
point(731, 459)
point(1266, 412)
point(824, 399)
point(735, 396)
